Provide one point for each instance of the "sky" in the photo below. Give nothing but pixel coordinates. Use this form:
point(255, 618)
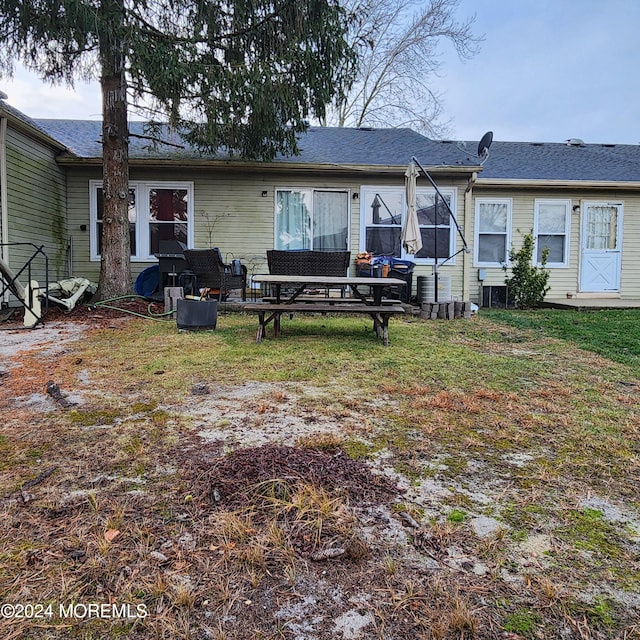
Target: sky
point(547, 70)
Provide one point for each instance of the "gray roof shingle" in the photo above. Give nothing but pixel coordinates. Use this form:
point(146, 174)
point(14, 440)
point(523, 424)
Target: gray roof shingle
point(390, 147)
point(562, 162)
point(12, 112)
point(319, 145)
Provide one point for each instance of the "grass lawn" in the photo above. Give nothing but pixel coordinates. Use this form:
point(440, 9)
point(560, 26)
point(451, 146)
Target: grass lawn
point(613, 334)
point(476, 479)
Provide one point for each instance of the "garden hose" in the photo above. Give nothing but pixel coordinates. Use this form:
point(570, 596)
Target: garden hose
point(160, 317)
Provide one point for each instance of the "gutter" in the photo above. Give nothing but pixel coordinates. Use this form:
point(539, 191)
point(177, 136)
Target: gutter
point(499, 183)
point(270, 167)
point(4, 213)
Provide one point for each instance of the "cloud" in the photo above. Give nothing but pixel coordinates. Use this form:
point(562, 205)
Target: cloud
point(36, 99)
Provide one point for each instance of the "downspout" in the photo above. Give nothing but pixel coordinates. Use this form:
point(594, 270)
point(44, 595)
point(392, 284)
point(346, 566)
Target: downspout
point(467, 258)
point(4, 213)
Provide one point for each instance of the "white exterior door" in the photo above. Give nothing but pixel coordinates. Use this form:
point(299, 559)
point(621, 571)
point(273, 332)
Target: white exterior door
point(601, 247)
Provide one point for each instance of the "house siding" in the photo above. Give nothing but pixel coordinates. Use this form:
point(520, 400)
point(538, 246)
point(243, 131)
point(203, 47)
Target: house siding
point(630, 275)
point(78, 216)
point(36, 206)
point(563, 280)
point(231, 213)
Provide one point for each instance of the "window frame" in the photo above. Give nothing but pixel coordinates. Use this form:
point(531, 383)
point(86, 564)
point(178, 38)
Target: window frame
point(567, 230)
point(450, 192)
point(507, 233)
point(142, 190)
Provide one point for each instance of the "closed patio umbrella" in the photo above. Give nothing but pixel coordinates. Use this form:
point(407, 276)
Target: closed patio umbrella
point(411, 238)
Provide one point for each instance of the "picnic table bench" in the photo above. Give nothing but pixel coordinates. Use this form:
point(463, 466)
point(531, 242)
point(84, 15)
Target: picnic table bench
point(270, 312)
point(314, 299)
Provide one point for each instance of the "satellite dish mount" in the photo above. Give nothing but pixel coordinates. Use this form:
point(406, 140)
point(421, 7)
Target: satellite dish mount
point(483, 146)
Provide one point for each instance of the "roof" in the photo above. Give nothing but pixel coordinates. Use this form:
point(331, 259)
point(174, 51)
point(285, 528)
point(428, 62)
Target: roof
point(572, 161)
point(29, 125)
point(562, 162)
point(334, 146)
point(18, 115)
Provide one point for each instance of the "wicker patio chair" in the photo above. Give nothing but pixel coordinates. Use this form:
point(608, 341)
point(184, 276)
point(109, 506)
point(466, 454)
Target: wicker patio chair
point(212, 274)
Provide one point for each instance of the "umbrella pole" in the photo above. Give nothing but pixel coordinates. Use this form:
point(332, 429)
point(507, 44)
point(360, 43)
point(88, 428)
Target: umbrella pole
point(446, 204)
point(435, 248)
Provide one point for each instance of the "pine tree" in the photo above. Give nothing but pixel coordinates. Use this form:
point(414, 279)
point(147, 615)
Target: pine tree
point(238, 75)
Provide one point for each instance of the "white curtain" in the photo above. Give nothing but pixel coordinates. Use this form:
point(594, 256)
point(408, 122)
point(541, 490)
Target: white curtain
point(602, 227)
point(293, 220)
point(330, 220)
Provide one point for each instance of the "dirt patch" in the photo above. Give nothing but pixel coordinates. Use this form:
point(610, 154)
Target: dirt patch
point(47, 340)
point(60, 328)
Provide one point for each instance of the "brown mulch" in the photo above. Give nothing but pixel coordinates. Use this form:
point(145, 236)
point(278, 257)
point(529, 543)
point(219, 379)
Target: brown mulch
point(88, 312)
point(237, 474)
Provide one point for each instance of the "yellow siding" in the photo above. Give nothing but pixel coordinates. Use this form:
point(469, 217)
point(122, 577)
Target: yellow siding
point(566, 279)
point(630, 276)
point(231, 213)
point(78, 214)
point(36, 206)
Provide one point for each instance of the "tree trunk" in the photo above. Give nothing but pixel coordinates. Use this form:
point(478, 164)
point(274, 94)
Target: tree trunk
point(115, 267)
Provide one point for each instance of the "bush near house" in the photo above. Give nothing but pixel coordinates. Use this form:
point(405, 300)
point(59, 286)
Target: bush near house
point(528, 283)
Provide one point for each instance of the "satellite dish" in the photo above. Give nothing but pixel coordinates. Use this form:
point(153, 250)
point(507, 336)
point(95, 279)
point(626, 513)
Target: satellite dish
point(3, 95)
point(483, 146)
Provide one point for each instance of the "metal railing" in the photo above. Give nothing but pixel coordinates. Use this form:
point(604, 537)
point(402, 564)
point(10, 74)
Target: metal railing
point(27, 295)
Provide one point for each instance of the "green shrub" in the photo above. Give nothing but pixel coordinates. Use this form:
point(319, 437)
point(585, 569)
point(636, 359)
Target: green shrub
point(527, 285)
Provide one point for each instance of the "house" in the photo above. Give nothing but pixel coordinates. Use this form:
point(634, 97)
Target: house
point(33, 198)
point(580, 200)
point(344, 190)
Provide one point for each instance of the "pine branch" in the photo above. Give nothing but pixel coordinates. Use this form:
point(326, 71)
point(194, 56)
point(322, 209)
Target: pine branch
point(157, 140)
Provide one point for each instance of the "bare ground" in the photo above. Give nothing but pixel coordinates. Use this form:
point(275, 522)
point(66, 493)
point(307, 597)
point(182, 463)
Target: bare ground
point(236, 513)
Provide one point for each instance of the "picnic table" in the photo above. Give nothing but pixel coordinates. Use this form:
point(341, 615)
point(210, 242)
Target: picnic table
point(289, 297)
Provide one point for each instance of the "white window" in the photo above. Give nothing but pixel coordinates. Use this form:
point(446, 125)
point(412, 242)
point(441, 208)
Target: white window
point(159, 212)
point(552, 226)
point(493, 224)
point(383, 211)
point(312, 219)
